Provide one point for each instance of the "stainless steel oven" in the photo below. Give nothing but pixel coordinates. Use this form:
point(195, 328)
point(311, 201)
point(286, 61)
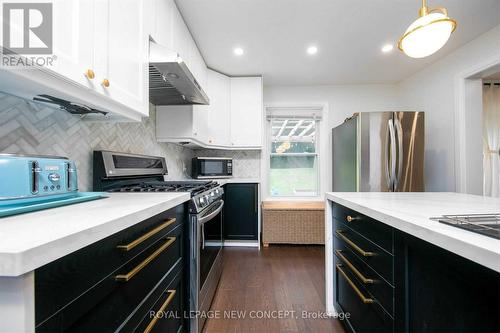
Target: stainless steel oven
point(123, 172)
point(205, 253)
point(212, 167)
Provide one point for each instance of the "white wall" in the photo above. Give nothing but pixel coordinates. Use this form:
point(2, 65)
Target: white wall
point(341, 101)
point(433, 90)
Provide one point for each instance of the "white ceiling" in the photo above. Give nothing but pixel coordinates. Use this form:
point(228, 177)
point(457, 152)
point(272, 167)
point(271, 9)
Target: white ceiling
point(348, 33)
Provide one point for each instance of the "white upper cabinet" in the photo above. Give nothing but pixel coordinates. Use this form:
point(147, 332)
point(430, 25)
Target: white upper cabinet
point(161, 17)
point(182, 123)
point(233, 120)
point(121, 59)
point(181, 38)
point(246, 112)
point(197, 65)
point(73, 39)
point(219, 115)
point(100, 52)
point(200, 123)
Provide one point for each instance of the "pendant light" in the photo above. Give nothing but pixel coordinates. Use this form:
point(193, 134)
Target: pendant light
point(428, 33)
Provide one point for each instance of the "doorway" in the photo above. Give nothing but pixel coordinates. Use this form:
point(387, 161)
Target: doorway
point(473, 157)
point(491, 135)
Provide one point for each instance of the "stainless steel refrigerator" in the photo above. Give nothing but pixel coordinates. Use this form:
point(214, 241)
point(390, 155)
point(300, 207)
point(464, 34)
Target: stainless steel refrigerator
point(379, 152)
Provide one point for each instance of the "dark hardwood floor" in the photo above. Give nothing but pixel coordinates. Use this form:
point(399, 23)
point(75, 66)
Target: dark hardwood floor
point(278, 278)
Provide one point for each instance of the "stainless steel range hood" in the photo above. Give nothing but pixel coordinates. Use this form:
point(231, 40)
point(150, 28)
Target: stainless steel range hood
point(170, 80)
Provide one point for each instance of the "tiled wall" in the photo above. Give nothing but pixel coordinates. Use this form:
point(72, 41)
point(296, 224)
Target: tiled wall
point(30, 128)
point(246, 163)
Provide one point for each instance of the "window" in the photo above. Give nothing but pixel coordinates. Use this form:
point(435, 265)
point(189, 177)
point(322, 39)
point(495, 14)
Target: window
point(293, 169)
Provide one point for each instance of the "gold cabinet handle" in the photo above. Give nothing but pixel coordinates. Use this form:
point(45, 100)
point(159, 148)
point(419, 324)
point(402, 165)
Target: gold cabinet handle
point(364, 299)
point(131, 245)
point(354, 246)
point(160, 310)
point(105, 83)
point(349, 218)
point(90, 74)
point(138, 268)
point(352, 268)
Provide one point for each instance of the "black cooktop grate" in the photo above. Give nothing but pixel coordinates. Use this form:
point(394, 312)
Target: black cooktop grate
point(194, 187)
point(485, 224)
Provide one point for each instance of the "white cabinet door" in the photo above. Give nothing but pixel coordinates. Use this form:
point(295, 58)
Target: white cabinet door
point(73, 32)
point(219, 122)
point(200, 123)
point(178, 123)
point(174, 123)
point(246, 112)
point(124, 76)
point(196, 64)
point(163, 17)
point(181, 38)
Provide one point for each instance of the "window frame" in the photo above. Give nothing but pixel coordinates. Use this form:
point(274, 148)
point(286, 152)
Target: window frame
point(269, 154)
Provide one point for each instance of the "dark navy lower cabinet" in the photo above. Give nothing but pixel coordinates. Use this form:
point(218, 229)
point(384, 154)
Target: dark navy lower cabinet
point(118, 283)
point(389, 281)
point(443, 292)
point(240, 221)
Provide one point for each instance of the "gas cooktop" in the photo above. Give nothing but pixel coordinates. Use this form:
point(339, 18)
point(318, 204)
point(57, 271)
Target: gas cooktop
point(194, 187)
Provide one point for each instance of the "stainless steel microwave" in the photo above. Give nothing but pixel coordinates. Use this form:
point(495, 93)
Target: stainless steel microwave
point(212, 167)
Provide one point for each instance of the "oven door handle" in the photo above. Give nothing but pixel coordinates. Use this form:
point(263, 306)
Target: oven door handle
point(205, 219)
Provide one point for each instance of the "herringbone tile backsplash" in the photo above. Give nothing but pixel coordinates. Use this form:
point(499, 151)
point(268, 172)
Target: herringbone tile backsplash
point(31, 128)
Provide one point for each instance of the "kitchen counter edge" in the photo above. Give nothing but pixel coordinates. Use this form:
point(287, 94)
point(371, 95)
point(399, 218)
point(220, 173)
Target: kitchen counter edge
point(475, 247)
point(109, 216)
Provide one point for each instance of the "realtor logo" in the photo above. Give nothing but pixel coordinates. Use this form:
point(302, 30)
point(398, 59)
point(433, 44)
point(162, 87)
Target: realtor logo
point(27, 28)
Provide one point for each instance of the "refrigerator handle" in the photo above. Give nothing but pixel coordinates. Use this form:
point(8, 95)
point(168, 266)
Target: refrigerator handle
point(390, 155)
point(399, 132)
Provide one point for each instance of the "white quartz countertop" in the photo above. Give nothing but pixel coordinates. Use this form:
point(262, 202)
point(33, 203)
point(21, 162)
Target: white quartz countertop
point(28, 241)
point(410, 213)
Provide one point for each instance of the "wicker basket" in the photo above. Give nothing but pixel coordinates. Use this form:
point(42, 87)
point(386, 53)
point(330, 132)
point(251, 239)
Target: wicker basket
point(293, 223)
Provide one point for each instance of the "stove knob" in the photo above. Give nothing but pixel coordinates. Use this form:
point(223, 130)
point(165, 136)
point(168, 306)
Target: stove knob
point(212, 194)
point(201, 200)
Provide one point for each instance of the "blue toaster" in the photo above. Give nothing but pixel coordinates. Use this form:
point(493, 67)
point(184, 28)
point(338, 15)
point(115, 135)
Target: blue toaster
point(35, 177)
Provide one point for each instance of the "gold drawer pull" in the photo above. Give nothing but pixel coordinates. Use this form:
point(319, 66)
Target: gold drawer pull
point(137, 269)
point(349, 218)
point(352, 268)
point(354, 246)
point(160, 310)
point(364, 299)
point(131, 245)
point(105, 83)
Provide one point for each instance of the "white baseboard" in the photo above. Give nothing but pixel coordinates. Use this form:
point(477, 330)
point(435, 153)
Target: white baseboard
point(242, 243)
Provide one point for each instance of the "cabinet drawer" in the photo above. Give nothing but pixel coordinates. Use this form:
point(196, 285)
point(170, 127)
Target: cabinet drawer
point(165, 314)
point(381, 290)
point(375, 257)
point(60, 282)
point(109, 304)
point(365, 314)
point(375, 231)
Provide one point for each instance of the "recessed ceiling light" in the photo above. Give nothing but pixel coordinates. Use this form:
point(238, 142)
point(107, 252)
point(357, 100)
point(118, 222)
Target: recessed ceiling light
point(238, 51)
point(312, 50)
point(387, 48)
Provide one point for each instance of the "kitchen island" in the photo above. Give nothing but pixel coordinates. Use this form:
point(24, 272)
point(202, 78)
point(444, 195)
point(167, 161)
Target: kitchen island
point(385, 251)
point(31, 242)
